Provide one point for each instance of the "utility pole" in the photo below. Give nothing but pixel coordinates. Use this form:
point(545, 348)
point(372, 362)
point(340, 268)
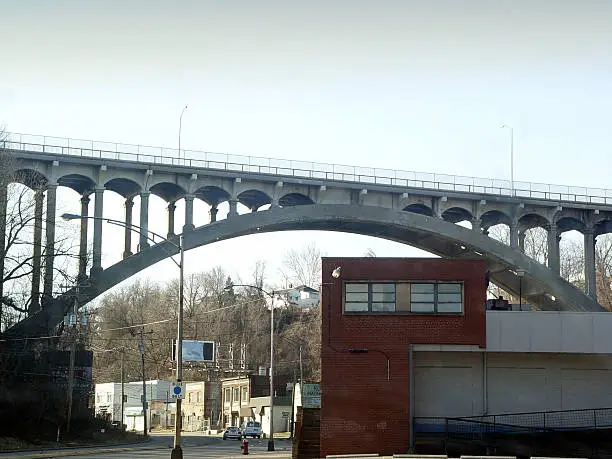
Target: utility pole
point(301, 369)
point(144, 384)
point(122, 387)
point(72, 355)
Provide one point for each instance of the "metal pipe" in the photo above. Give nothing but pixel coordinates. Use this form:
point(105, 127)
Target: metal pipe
point(411, 410)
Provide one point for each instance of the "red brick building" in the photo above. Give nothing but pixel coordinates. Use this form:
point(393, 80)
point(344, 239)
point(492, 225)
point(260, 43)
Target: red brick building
point(372, 314)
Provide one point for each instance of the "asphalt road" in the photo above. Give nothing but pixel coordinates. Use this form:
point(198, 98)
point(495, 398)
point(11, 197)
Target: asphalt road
point(160, 446)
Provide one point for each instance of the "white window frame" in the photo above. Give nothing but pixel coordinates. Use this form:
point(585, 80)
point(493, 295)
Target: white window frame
point(435, 303)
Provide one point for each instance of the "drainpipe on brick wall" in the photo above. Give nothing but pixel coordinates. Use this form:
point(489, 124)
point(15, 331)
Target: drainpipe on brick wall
point(485, 384)
point(411, 411)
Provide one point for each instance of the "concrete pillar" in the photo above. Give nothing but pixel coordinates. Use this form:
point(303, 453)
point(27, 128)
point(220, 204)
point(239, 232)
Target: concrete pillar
point(3, 202)
point(83, 239)
point(37, 249)
point(188, 226)
point(127, 237)
point(589, 263)
point(143, 241)
point(521, 240)
point(233, 208)
point(49, 243)
point(96, 267)
point(476, 224)
point(554, 262)
point(171, 209)
point(514, 235)
point(213, 214)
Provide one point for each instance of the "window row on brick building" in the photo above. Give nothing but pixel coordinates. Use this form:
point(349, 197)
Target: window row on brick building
point(403, 297)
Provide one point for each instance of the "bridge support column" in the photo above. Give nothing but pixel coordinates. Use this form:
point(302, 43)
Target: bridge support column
point(589, 264)
point(521, 240)
point(127, 237)
point(554, 262)
point(171, 209)
point(3, 203)
point(213, 214)
point(37, 249)
point(96, 267)
point(49, 243)
point(233, 208)
point(143, 242)
point(514, 236)
point(83, 238)
point(476, 224)
point(189, 226)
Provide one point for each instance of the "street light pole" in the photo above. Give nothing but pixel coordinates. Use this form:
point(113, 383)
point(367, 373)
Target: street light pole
point(271, 440)
point(511, 156)
point(177, 452)
point(271, 295)
point(179, 132)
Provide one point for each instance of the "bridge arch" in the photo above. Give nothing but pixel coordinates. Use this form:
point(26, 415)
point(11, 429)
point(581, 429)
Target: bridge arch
point(418, 208)
point(31, 178)
point(254, 199)
point(294, 199)
point(457, 215)
point(212, 195)
point(123, 186)
point(533, 220)
point(168, 191)
point(77, 182)
point(442, 238)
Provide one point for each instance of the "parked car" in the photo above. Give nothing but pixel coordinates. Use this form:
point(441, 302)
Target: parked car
point(232, 432)
point(251, 429)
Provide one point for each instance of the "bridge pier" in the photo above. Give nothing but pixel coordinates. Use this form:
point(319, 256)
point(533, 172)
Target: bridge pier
point(589, 263)
point(233, 208)
point(171, 209)
point(49, 243)
point(189, 226)
point(554, 262)
point(143, 241)
point(96, 267)
point(521, 240)
point(127, 237)
point(36, 253)
point(83, 238)
point(213, 214)
point(514, 232)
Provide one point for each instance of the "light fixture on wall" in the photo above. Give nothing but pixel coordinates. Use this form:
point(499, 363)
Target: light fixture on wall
point(336, 272)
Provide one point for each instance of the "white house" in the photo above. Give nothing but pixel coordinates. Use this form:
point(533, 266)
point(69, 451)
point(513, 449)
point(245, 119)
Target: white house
point(303, 297)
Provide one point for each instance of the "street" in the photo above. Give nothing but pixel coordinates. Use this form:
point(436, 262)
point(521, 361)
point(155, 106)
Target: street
point(194, 447)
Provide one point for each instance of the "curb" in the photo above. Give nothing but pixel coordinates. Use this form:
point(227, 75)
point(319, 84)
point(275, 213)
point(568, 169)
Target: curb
point(76, 452)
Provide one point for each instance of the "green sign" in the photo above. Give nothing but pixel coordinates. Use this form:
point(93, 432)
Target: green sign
point(311, 395)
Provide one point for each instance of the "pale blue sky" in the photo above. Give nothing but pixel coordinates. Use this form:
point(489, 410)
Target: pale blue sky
point(393, 84)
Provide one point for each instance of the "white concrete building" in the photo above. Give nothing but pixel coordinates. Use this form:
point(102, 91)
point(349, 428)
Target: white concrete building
point(160, 403)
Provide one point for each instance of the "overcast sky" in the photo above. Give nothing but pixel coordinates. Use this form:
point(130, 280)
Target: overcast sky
point(393, 84)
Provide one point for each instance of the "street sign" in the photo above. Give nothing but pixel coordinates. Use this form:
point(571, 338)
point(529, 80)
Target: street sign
point(178, 391)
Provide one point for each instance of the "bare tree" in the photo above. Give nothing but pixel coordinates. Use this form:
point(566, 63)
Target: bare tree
point(303, 266)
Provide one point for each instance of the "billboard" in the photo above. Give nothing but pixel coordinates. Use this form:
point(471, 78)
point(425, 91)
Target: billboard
point(196, 351)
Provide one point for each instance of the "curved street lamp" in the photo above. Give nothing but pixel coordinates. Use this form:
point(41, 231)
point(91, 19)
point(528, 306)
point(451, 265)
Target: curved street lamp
point(271, 295)
point(177, 452)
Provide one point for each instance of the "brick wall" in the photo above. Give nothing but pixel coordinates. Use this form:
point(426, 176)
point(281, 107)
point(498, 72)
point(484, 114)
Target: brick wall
point(361, 410)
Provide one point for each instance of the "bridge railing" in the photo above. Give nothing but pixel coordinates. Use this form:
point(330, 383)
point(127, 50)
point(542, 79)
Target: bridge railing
point(303, 169)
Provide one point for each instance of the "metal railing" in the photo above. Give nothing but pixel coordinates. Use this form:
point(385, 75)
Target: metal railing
point(304, 169)
point(541, 421)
